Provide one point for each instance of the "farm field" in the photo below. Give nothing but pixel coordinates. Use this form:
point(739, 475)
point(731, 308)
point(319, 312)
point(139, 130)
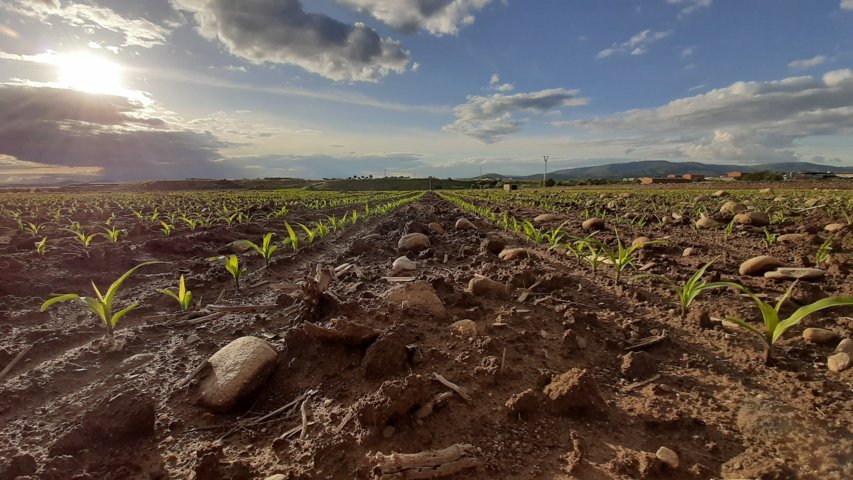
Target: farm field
point(516, 335)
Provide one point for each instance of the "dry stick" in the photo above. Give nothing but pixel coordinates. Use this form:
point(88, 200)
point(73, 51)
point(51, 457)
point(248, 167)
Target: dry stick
point(456, 388)
point(304, 409)
point(292, 431)
point(222, 294)
point(14, 361)
point(639, 384)
point(196, 321)
point(503, 360)
point(240, 308)
point(647, 342)
point(571, 302)
point(344, 422)
point(427, 409)
point(195, 373)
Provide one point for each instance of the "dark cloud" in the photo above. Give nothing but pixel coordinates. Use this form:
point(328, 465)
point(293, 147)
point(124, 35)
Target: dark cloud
point(280, 31)
point(67, 128)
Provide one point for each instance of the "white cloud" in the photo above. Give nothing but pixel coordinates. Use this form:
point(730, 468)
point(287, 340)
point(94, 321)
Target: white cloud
point(496, 85)
point(808, 62)
point(687, 51)
point(636, 45)
point(281, 31)
point(438, 17)
point(137, 32)
point(490, 118)
point(847, 4)
point(746, 121)
point(691, 6)
point(496, 79)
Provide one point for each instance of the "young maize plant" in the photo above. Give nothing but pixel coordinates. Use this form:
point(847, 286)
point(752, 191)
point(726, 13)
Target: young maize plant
point(266, 248)
point(555, 237)
point(41, 246)
point(101, 304)
point(769, 238)
point(690, 290)
point(623, 257)
point(34, 228)
point(81, 237)
point(166, 228)
point(774, 326)
point(292, 239)
point(111, 234)
point(309, 233)
point(727, 232)
point(183, 296)
point(823, 252)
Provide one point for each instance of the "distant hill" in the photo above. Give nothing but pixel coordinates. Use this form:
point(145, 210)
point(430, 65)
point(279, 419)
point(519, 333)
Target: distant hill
point(662, 168)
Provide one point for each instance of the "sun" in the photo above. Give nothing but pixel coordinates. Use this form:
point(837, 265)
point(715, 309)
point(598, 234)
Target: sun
point(89, 73)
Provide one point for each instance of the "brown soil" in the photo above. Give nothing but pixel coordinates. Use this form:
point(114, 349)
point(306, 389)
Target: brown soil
point(547, 378)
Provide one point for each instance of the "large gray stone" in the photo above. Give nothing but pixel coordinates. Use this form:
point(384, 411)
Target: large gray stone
point(237, 370)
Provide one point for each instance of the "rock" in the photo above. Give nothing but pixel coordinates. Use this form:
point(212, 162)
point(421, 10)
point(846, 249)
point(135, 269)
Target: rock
point(838, 362)
point(758, 265)
point(237, 370)
point(523, 403)
point(804, 238)
point(845, 346)
point(819, 335)
point(192, 339)
point(436, 228)
point(707, 222)
point(277, 476)
point(766, 190)
point(465, 328)
point(795, 273)
point(403, 264)
point(21, 465)
point(137, 360)
point(492, 245)
point(757, 219)
point(413, 242)
point(732, 207)
point(238, 246)
point(834, 227)
point(465, 224)
point(688, 251)
point(574, 392)
point(812, 202)
point(668, 457)
point(486, 287)
point(720, 194)
point(642, 241)
point(386, 357)
point(417, 298)
point(638, 365)
point(593, 224)
point(116, 418)
point(513, 253)
point(546, 217)
point(416, 227)
point(364, 244)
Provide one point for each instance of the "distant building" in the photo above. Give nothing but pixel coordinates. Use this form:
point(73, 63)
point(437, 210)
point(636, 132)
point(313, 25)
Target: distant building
point(672, 175)
point(693, 177)
point(734, 174)
point(651, 180)
point(510, 186)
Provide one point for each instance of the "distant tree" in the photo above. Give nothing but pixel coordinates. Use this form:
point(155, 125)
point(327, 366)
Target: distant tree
point(550, 182)
point(765, 176)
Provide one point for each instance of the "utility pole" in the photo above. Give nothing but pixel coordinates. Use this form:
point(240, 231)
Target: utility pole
point(545, 175)
point(481, 172)
point(386, 173)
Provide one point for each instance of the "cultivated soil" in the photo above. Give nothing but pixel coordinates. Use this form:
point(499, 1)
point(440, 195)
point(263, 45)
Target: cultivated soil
point(554, 380)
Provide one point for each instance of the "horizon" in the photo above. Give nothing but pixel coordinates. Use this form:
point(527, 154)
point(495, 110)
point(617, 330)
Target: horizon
point(112, 90)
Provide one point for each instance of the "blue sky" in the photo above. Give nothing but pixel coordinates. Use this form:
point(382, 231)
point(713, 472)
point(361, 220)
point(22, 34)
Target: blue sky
point(128, 90)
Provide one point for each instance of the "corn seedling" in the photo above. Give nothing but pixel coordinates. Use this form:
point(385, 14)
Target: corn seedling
point(823, 252)
point(309, 233)
point(622, 257)
point(34, 228)
point(774, 326)
point(232, 266)
point(555, 237)
point(41, 246)
point(769, 238)
point(691, 289)
point(111, 234)
point(183, 296)
point(166, 228)
point(266, 248)
point(727, 232)
point(292, 239)
point(81, 237)
point(101, 304)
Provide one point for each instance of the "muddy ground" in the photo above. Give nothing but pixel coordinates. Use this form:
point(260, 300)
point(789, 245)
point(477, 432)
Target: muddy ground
point(552, 384)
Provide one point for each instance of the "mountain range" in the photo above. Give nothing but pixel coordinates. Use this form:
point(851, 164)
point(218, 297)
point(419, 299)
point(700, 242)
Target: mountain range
point(662, 168)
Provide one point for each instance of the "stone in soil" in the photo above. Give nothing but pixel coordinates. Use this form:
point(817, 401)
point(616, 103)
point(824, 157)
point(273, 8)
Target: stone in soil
point(819, 335)
point(21, 465)
point(436, 228)
point(416, 227)
point(638, 365)
point(413, 242)
point(523, 403)
point(795, 273)
point(574, 392)
point(757, 219)
point(237, 369)
point(493, 245)
point(486, 287)
point(417, 298)
point(465, 224)
point(838, 362)
point(834, 227)
point(759, 265)
point(641, 241)
point(403, 264)
point(668, 457)
point(732, 207)
point(465, 328)
point(707, 222)
point(386, 357)
point(546, 217)
point(513, 253)
point(593, 224)
point(801, 238)
point(845, 345)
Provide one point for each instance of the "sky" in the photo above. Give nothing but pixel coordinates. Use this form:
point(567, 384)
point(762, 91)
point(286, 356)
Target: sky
point(118, 90)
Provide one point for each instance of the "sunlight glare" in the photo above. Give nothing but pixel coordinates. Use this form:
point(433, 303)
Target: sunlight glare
point(89, 73)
